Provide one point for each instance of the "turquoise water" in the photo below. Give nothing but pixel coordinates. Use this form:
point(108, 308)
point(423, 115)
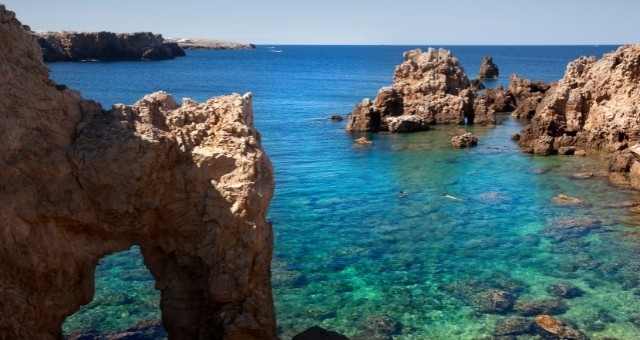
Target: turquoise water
point(350, 249)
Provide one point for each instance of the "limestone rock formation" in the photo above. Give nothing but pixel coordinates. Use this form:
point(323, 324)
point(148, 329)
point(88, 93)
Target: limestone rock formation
point(527, 94)
point(491, 101)
point(74, 46)
point(189, 184)
point(430, 87)
point(488, 70)
point(596, 104)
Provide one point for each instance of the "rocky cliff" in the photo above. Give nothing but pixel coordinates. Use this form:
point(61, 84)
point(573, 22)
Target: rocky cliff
point(74, 46)
point(428, 88)
point(190, 184)
point(210, 44)
point(596, 104)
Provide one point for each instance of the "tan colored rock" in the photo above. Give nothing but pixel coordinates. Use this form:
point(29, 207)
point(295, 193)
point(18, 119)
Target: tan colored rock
point(431, 85)
point(489, 102)
point(595, 105)
point(190, 184)
point(554, 328)
point(488, 70)
point(466, 140)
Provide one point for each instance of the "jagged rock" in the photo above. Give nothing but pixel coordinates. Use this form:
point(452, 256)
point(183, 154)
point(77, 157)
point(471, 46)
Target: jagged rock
point(491, 101)
point(488, 69)
point(621, 161)
point(526, 107)
point(556, 329)
point(431, 85)
point(476, 84)
point(336, 118)
point(523, 88)
point(189, 184)
point(565, 290)
point(466, 140)
point(618, 179)
point(74, 46)
point(319, 333)
point(594, 105)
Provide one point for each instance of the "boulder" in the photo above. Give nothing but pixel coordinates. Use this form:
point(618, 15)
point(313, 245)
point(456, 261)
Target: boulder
point(565, 290)
point(513, 326)
point(188, 183)
point(466, 140)
point(549, 326)
point(488, 70)
point(595, 104)
point(431, 85)
point(412, 123)
point(75, 46)
point(494, 301)
point(535, 307)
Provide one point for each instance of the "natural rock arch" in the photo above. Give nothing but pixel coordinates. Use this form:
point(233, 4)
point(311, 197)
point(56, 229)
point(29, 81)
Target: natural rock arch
point(189, 184)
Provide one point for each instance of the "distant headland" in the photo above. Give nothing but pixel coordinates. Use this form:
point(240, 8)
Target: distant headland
point(76, 46)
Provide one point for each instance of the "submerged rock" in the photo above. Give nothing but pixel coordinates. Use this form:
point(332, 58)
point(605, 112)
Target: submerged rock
point(363, 141)
point(564, 228)
point(565, 290)
point(513, 326)
point(189, 184)
point(556, 329)
point(319, 333)
point(535, 307)
point(494, 301)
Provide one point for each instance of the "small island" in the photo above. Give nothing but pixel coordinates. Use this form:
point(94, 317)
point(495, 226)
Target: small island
point(209, 44)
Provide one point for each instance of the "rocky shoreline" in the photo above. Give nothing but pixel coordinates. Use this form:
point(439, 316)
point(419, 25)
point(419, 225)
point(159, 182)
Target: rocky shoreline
point(76, 46)
point(209, 44)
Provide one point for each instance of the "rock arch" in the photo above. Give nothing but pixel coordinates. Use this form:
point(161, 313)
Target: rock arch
point(190, 184)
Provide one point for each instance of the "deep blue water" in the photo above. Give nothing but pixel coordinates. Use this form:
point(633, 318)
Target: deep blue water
point(348, 247)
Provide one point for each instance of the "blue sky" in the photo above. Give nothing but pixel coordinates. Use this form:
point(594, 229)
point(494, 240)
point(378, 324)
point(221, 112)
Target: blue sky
point(450, 22)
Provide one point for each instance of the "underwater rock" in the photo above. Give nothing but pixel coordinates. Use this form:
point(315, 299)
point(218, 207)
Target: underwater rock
point(567, 200)
point(582, 175)
point(549, 326)
point(466, 140)
point(488, 70)
point(494, 301)
point(565, 290)
point(142, 331)
point(535, 307)
point(593, 105)
point(319, 333)
point(363, 141)
point(513, 326)
point(189, 184)
point(568, 227)
point(431, 85)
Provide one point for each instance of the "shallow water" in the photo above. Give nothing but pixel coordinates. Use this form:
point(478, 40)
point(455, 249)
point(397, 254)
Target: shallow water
point(348, 246)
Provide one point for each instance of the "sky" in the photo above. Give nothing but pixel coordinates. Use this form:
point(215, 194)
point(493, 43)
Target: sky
point(372, 22)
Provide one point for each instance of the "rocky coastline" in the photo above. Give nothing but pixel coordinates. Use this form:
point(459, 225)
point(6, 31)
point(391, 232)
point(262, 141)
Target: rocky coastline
point(76, 46)
point(189, 183)
point(209, 44)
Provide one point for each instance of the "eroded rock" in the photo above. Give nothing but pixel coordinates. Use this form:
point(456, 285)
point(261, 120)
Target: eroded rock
point(189, 184)
point(431, 86)
point(594, 105)
point(466, 140)
point(488, 70)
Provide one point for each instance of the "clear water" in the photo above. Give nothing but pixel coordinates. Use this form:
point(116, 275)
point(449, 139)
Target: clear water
point(348, 246)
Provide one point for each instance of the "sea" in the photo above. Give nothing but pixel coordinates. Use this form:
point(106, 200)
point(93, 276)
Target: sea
point(353, 255)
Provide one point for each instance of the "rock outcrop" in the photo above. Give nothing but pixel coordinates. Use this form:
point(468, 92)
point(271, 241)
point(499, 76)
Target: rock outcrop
point(488, 70)
point(428, 88)
point(190, 184)
point(491, 101)
point(528, 95)
point(75, 46)
point(465, 140)
point(210, 44)
point(596, 105)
